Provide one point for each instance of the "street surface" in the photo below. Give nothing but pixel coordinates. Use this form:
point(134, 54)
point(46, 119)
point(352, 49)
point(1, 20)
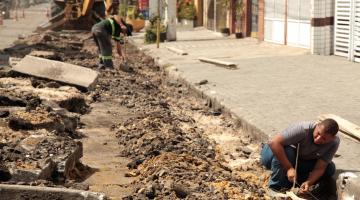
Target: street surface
point(12, 29)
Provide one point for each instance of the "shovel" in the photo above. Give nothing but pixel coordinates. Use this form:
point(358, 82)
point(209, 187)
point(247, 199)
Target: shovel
point(124, 66)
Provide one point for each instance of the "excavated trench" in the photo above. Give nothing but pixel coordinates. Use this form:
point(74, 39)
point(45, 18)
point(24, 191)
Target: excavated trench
point(138, 135)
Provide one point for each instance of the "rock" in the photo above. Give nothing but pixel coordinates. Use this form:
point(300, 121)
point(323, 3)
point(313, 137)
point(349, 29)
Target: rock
point(44, 171)
point(246, 150)
point(4, 113)
point(30, 143)
point(47, 38)
point(180, 191)
point(4, 173)
point(133, 164)
point(6, 100)
point(203, 82)
point(4, 59)
point(132, 173)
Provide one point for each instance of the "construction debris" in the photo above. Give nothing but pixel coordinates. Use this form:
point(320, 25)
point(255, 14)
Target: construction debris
point(166, 136)
point(218, 62)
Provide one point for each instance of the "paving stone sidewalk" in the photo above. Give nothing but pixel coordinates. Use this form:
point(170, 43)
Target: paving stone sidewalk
point(274, 85)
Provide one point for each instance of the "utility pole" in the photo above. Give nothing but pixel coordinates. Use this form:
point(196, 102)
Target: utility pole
point(170, 18)
point(158, 26)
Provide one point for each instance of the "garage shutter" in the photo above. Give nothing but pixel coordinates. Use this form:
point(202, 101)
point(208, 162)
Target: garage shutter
point(298, 22)
point(347, 29)
point(274, 21)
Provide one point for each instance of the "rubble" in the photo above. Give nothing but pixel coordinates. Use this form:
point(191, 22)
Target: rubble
point(19, 92)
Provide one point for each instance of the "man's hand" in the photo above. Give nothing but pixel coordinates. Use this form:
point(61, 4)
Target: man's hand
point(291, 173)
point(304, 188)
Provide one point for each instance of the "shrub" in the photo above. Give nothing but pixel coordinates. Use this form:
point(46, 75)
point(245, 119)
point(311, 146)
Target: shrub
point(150, 32)
point(186, 9)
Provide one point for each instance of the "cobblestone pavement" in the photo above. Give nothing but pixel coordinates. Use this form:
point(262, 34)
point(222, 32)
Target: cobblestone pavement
point(273, 85)
point(12, 29)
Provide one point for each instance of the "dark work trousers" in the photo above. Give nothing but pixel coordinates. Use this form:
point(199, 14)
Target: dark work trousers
point(103, 42)
point(278, 179)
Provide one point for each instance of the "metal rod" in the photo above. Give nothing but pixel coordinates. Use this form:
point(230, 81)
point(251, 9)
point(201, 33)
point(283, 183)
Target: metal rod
point(285, 22)
point(296, 164)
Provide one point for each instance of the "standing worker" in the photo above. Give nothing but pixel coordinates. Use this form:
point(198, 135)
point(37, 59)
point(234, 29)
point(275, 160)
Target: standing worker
point(112, 27)
point(318, 145)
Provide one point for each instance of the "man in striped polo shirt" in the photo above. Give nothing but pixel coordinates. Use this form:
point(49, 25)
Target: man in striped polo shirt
point(113, 27)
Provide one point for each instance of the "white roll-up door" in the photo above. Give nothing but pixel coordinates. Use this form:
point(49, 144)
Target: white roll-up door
point(298, 22)
point(347, 29)
point(274, 21)
point(342, 27)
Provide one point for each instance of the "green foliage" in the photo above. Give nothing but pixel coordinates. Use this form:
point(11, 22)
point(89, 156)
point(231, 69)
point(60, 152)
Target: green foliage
point(150, 32)
point(239, 7)
point(186, 9)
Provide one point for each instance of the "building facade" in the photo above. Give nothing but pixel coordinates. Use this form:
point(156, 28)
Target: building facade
point(301, 23)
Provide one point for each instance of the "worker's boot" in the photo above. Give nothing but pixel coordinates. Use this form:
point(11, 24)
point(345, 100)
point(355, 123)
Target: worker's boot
point(101, 65)
point(108, 63)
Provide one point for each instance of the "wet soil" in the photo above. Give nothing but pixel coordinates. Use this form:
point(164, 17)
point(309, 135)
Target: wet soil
point(151, 137)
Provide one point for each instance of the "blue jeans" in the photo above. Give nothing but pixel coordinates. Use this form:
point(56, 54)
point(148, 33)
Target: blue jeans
point(279, 178)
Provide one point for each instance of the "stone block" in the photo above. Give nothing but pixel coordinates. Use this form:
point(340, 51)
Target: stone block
point(44, 172)
point(81, 77)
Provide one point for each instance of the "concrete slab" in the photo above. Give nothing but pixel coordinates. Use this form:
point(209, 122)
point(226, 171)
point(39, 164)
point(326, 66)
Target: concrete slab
point(54, 70)
point(18, 192)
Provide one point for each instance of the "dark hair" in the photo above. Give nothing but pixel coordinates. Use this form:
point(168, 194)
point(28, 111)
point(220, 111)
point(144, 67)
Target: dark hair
point(330, 126)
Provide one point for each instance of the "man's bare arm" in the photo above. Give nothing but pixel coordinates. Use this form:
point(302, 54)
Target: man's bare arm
point(277, 147)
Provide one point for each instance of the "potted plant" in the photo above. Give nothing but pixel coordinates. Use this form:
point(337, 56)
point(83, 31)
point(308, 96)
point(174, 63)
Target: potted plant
point(150, 33)
point(239, 9)
point(225, 31)
point(186, 12)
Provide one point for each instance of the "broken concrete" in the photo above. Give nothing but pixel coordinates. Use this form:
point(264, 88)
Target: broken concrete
point(34, 120)
point(54, 70)
point(66, 163)
point(43, 171)
point(16, 92)
point(19, 192)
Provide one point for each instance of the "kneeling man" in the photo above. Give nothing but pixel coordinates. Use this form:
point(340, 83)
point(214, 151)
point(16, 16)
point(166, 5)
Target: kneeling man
point(318, 144)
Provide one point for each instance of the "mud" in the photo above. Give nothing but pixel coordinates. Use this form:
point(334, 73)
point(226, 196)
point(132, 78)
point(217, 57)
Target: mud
point(178, 146)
